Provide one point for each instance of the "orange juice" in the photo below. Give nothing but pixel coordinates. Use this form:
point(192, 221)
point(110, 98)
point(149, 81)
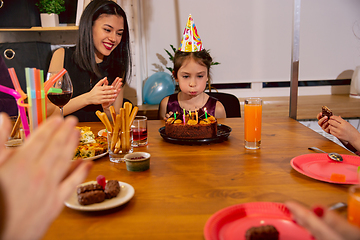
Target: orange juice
point(252, 122)
point(354, 205)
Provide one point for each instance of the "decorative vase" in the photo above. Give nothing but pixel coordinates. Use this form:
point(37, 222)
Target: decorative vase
point(49, 20)
point(355, 83)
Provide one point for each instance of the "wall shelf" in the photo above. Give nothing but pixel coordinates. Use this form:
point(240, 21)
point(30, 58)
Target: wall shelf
point(40, 29)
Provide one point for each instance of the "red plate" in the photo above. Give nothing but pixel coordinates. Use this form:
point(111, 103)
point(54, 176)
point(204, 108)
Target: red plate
point(233, 222)
point(319, 166)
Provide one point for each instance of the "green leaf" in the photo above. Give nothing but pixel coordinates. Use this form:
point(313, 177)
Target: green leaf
point(170, 69)
point(171, 57)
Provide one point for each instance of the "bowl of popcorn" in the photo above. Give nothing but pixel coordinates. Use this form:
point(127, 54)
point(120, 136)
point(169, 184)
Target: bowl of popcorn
point(137, 161)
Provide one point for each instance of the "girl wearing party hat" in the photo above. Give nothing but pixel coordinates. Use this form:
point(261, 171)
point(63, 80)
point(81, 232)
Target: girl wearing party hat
point(192, 71)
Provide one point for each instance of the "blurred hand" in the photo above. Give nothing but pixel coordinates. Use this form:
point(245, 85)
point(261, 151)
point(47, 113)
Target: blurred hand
point(37, 178)
point(329, 226)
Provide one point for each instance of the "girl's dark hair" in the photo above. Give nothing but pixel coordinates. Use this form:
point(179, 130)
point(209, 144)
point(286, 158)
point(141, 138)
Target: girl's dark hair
point(202, 57)
point(120, 59)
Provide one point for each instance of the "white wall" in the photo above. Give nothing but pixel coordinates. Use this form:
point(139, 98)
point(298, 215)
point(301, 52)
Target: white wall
point(252, 39)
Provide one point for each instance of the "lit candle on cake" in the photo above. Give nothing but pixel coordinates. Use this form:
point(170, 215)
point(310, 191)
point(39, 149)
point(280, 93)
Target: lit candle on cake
point(174, 115)
point(205, 113)
point(197, 116)
point(184, 116)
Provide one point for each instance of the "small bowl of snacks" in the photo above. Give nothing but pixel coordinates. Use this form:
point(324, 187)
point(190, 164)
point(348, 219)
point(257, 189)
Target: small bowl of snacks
point(137, 161)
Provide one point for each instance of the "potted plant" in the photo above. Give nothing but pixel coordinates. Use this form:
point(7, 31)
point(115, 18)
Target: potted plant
point(49, 12)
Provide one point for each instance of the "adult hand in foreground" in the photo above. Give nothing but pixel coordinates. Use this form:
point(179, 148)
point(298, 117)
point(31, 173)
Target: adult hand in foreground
point(325, 224)
point(36, 178)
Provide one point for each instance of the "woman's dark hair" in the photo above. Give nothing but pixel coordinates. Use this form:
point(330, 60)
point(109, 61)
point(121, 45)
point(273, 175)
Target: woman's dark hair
point(202, 57)
point(120, 59)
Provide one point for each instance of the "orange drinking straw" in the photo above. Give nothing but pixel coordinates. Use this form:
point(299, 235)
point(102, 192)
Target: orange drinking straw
point(38, 95)
point(20, 96)
point(16, 84)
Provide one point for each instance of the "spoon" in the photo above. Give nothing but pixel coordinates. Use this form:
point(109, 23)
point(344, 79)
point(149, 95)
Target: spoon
point(338, 205)
point(333, 156)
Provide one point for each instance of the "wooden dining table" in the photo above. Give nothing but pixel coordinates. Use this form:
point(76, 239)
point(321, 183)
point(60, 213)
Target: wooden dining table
point(187, 184)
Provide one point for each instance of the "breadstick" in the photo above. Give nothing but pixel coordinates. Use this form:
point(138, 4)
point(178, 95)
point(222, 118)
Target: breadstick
point(115, 135)
point(118, 145)
point(16, 127)
point(127, 126)
point(113, 114)
point(98, 114)
point(133, 114)
point(127, 107)
point(123, 128)
point(107, 122)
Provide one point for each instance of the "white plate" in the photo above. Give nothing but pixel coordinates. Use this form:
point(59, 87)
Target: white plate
point(94, 157)
point(97, 156)
point(126, 193)
point(101, 132)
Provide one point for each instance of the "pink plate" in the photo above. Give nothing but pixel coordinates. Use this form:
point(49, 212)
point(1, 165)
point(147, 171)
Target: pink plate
point(319, 166)
point(233, 222)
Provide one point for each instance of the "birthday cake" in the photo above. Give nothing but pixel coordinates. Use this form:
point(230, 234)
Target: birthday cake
point(192, 128)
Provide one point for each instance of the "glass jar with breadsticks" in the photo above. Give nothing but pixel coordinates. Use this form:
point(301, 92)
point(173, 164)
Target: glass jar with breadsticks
point(119, 132)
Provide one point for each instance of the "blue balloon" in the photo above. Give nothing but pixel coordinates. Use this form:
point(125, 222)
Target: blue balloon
point(158, 86)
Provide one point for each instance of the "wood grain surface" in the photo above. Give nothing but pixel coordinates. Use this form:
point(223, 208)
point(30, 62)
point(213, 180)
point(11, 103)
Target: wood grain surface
point(185, 185)
point(307, 109)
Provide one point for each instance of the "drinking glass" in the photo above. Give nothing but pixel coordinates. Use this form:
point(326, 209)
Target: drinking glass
point(119, 144)
point(252, 122)
point(354, 205)
point(61, 91)
point(139, 129)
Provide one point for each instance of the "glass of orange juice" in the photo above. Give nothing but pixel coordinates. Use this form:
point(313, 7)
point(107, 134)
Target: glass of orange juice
point(252, 122)
point(354, 205)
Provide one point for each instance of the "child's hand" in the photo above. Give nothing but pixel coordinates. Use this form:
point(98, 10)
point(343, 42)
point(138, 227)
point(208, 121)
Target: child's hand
point(323, 122)
point(343, 130)
point(167, 115)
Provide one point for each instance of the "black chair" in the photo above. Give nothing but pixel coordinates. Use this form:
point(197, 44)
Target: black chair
point(230, 102)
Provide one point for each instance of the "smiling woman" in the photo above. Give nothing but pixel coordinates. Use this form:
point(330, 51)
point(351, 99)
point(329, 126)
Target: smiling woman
point(107, 34)
point(99, 64)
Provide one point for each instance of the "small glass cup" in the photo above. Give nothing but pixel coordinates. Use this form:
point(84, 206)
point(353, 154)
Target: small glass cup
point(354, 205)
point(119, 145)
point(252, 122)
point(139, 129)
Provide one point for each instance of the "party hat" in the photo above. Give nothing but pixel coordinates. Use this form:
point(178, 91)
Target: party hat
point(190, 41)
